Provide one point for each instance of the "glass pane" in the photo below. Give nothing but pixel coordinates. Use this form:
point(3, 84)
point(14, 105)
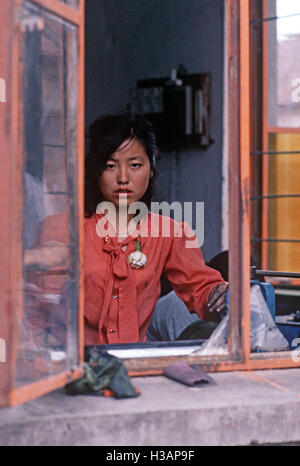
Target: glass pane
point(287, 7)
point(283, 220)
point(284, 64)
point(275, 164)
point(48, 323)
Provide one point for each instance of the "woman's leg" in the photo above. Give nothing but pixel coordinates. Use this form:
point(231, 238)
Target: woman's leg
point(170, 318)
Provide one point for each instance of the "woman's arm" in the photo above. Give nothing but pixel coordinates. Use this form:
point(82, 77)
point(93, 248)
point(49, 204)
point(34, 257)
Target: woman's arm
point(49, 255)
point(201, 288)
point(51, 248)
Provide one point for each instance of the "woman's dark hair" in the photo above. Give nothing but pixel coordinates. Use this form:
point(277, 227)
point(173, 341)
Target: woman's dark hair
point(105, 135)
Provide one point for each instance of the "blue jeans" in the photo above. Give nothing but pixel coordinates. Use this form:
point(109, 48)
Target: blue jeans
point(169, 319)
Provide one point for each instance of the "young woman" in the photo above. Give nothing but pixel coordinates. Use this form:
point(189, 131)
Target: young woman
point(125, 253)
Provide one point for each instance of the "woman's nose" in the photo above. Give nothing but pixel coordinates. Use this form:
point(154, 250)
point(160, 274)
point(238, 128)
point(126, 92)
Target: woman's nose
point(123, 175)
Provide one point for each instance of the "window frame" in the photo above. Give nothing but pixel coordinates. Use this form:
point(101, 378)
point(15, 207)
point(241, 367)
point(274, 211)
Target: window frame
point(266, 131)
point(238, 117)
point(11, 238)
point(239, 114)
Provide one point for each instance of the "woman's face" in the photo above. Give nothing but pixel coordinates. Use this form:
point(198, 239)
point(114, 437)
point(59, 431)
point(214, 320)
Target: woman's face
point(127, 174)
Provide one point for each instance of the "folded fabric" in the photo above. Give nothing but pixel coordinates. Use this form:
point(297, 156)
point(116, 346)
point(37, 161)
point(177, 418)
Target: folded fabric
point(193, 376)
point(103, 371)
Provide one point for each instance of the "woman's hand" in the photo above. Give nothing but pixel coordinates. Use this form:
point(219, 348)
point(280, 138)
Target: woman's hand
point(216, 300)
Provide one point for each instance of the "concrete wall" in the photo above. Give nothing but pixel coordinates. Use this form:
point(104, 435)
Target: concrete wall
point(137, 39)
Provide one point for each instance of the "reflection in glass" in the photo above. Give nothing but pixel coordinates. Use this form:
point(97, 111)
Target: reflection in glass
point(72, 3)
point(283, 64)
point(275, 197)
point(48, 324)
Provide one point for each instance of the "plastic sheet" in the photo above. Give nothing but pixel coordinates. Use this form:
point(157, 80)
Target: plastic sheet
point(264, 334)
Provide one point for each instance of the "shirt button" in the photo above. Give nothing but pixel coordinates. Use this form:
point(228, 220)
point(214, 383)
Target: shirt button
point(112, 330)
point(115, 297)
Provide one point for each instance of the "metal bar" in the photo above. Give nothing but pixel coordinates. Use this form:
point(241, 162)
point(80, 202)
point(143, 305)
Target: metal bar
point(276, 240)
point(273, 18)
point(271, 273)
point(257, 152)
point(61, 9)
point(274, 196)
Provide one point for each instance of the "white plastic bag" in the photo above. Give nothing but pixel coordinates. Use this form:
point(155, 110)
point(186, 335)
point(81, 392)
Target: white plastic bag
point(264, 334)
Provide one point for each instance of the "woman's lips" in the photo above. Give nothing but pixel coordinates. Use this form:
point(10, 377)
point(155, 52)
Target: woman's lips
point(122, 195)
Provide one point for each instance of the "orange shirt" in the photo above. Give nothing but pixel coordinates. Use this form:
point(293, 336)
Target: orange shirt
point(119, 300)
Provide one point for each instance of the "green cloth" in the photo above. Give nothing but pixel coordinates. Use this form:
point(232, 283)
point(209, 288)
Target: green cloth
point(103, 371)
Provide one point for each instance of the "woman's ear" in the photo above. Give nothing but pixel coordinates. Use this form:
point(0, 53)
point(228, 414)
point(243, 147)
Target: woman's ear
point(151, 173)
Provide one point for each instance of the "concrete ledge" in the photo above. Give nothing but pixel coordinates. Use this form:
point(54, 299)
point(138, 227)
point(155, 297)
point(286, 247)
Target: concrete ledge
point(261, 407)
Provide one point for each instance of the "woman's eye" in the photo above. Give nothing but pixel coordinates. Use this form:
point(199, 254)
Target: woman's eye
point(110, 166)
point(136, 165)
